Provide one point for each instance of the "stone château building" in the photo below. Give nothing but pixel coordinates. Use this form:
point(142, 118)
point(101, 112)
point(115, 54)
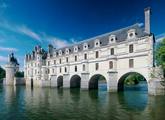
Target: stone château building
point(112, 55)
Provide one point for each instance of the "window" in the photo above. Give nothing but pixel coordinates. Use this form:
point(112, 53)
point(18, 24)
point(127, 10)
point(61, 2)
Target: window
point(48, 63)
point(131, 34)
point(65, 69)
point(97, 54)
point(60, 61)
point(112, 38)
point(48, 71)
point(83, 67)
point(131, 63)
point(60, 52)
point(110, 65)
point(131, 48)
point(97, 43)
point(112, 51)
point(52, 70)
point(85, 56)
point(67, 59)
point(75, 68)
point(60, 70)
point(54, 62)
point(85, 46)
point(75, 58)
point(97, 66)
point(75, 48)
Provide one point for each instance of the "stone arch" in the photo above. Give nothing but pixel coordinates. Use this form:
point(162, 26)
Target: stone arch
point(60, 81)
point(93, 81)
point(121, 80)
point(75, 81)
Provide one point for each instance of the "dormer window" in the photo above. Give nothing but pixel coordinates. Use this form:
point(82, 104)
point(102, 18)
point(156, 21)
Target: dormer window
point(97, 43)
point(67, 51)
point(60, 52)
point(131, 34)
point(75, 48)
point(85, 46)
point(112, 39)
point(54, 54)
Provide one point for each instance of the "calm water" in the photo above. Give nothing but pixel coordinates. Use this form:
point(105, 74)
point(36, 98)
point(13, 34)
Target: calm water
point(21, 103)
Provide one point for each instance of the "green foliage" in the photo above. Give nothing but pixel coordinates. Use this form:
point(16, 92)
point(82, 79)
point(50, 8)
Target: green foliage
point(2, 73)
point(160, 55)
point(133, 79)
point(19, 74)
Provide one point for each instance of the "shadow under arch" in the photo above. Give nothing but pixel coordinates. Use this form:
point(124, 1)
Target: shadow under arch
point(31, 80)
point(60, 81)
point(75, 81)
point(136, 76)
point(95, 80)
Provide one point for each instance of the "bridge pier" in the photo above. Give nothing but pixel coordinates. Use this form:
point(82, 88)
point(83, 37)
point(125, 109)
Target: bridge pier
point(84, 81)
point(112, 81)
point(53, 82)
point(66, 81)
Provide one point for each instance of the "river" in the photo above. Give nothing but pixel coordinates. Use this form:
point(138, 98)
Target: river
point(23, 103)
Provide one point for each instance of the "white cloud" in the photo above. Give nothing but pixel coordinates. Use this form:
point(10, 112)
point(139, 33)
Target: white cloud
point(8, 49)
point(56, 42)
point(21, 29)
point(3, 59)
point(24, 30)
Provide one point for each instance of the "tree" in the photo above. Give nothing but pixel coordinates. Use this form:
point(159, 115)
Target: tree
point(2, 73)
point(160, 55)
point(133, 79)
point(19, 74)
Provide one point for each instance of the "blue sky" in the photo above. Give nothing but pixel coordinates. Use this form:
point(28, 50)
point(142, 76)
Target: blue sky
point(26, 23)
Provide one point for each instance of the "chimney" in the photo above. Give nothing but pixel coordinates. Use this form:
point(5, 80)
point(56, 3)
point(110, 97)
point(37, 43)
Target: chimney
point(147, 12)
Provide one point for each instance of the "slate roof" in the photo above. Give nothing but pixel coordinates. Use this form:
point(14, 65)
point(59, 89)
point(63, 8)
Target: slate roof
point(121, 35)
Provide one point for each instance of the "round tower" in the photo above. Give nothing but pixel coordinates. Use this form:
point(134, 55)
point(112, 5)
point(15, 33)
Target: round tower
point(11, 68)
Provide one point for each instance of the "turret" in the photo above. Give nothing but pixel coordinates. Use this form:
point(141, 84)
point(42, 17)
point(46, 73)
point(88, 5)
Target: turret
point(11, 68)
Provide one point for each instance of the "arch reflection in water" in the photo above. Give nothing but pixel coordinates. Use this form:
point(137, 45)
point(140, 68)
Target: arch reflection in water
point(132, 81)
point(98, 81)
point(75, 81)
point(49, 103)
point(60, 81)
point(133, 100)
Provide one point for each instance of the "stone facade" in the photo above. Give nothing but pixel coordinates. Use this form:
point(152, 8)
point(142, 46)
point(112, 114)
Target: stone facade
point(111, 55)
